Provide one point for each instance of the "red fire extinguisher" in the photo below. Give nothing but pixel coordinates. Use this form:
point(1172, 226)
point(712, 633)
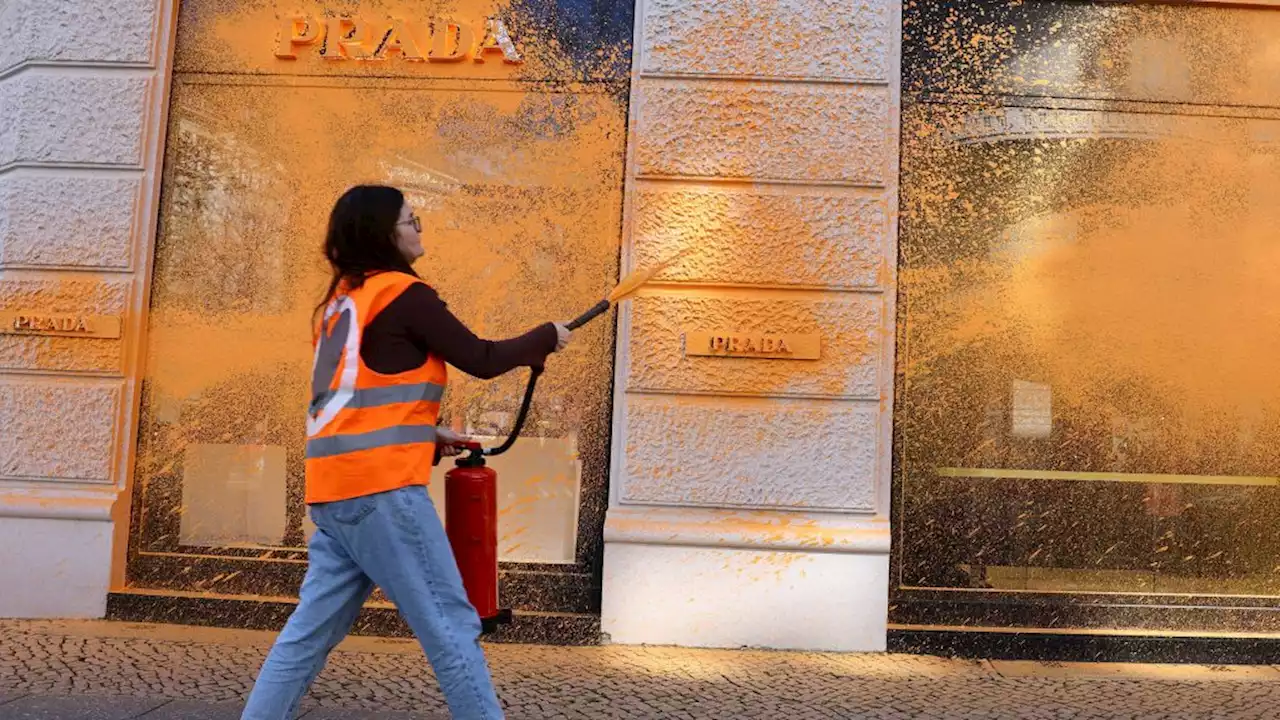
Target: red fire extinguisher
point(471, 488)
point(471, 519)
point(471, 513)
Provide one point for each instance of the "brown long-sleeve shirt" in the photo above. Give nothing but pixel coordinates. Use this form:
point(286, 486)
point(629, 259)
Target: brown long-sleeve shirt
point(418, 322)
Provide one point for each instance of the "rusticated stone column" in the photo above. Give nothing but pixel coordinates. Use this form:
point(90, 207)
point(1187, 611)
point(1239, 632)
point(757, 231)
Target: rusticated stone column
point(81, 118)
point(750, 495)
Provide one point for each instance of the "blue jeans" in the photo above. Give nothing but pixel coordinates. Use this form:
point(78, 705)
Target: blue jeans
point(394, 540)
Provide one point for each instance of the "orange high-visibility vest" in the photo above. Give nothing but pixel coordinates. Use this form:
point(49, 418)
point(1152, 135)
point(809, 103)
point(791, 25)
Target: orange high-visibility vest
point(368, 432)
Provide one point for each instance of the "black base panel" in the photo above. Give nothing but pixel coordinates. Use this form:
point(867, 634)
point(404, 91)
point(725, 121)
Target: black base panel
point(1086, 648)
point(254, 614)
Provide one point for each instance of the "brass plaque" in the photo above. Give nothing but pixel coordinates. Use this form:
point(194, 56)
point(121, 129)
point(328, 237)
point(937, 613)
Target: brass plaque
point(412, 40)
point(737, 343)
point(26, 322)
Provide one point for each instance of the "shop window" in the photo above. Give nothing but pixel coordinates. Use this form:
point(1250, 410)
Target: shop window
point(1088, 313)
point(514, 165)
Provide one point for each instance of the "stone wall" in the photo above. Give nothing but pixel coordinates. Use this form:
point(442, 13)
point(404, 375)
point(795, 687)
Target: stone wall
point(750, 497)
point(81, 118)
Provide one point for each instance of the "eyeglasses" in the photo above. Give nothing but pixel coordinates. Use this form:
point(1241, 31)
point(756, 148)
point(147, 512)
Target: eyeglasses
point(413, 220)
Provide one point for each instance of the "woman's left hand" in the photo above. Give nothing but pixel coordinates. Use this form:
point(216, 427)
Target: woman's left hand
point(449, 441)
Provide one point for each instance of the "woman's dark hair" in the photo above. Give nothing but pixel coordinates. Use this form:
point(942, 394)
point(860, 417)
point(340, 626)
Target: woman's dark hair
point(361, 240)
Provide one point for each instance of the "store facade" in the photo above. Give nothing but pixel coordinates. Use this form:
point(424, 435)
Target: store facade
point(1023, 371)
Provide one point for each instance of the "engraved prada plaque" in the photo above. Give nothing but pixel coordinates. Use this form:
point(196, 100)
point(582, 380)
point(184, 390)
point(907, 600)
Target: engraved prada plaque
point(373, 39)
point(735, 343)
point(26, 322)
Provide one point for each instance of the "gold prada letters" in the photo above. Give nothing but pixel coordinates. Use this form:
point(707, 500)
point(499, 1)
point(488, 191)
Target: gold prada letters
point(359, 38)
point(26, 322)
point(734, 343)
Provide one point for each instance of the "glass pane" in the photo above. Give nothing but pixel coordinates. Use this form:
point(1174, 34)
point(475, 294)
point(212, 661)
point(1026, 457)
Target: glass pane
point(517, 180)
point(1089, 312)
point(233, 495)
point(538, 494)
point(1110, 50)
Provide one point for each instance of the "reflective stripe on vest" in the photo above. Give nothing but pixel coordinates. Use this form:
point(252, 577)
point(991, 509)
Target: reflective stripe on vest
point(379, 396)
point(342, 444)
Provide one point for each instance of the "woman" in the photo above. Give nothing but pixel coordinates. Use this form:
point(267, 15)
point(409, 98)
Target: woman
point(383, 340)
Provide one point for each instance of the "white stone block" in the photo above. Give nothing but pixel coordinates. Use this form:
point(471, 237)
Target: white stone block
point(49, 353)
point(78, 31)
point(71, 221)
point(57, 117)
point(848, 324)
point(733, 597)
point(58, 430)
point(55, 550)
point(827, 39)
point(764, 131)
point(695, 451)
point(53, 568)
point(10, 114)
point(758, 236)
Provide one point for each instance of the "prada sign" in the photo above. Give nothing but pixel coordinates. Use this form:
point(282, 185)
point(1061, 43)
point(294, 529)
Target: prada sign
point(36, 322)
point(361, 38)
point(742, 344)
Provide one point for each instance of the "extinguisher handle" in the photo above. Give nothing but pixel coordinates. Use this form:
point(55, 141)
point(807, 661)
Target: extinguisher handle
point(586, 317)
point(520, 418)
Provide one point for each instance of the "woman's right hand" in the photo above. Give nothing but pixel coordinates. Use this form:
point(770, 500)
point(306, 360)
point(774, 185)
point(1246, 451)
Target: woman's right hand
point(563, 336)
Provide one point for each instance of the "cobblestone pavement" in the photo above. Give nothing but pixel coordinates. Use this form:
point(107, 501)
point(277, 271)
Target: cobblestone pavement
point(194, 673)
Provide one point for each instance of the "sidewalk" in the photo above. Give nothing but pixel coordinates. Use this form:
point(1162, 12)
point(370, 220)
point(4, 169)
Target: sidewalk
point(112, 671)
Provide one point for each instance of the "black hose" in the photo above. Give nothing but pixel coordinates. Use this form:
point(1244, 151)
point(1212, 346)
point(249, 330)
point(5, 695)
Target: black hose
point(520, 418)
point(589, 315)
point(596, 311)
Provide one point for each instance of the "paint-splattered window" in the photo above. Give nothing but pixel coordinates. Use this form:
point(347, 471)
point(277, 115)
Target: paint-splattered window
point(505, 126)
point(1089, 311)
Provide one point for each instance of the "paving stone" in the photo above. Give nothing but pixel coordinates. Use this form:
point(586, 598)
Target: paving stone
point(1027, 668)
point(370, 715)
point(79, 707)
point(206, 675)
point(195, 710)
